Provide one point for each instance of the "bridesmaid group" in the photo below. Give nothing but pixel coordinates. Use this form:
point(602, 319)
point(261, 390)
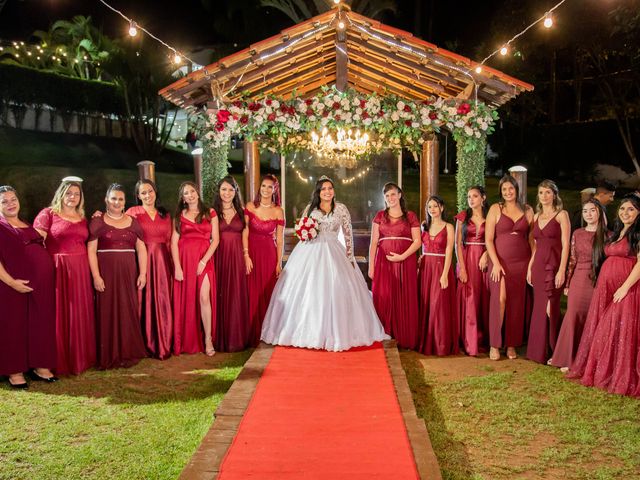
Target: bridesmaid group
point(134, 283)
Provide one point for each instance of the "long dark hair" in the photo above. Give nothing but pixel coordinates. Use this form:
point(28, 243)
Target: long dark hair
point(238, 205)
point(427, 220)
point(275, 197)
point(203, 212)
point(163, 212)
point(597, 247)
point(633, 232)
point(508, 178)
point(315, 196)
point(403, 205)
point(469, 211)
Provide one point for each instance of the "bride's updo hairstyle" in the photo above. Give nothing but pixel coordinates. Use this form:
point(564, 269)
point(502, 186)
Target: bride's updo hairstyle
point(315, 196)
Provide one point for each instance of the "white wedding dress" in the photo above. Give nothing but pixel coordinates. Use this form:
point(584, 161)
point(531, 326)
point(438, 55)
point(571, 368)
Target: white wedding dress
point(321, 299)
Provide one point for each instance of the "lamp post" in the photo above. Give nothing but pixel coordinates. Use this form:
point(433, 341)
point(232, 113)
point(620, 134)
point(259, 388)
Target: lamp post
point(520, 174)
point(147, 170)
point(197, 167)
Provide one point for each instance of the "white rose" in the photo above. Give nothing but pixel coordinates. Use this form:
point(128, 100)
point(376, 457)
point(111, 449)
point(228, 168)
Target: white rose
point(415, 124)
point(468, 130)
point(275, 104)
point(400, 105)
point(367, 121)
point(314, 233)
point(395, 117)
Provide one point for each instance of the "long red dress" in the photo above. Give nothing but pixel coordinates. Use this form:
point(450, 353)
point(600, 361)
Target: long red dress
point(513, 250)
point(609, 352)
point(437, 307)
point(473, 296)
point(75, 317)
point(120, 342)
point(233, 300)
point(262, 279)
point(395, 284)
point(156, 300)
point(544, 328)
point(28, 320)
point(188, 333)
point(579, 298)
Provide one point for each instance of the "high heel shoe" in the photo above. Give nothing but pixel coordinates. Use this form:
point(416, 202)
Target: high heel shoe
point(210, 351)
point(511, 353)
point(19, 386)
point(494, 353)
point(38, 378)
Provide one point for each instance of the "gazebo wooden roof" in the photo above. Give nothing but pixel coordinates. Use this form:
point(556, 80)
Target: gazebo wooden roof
point(364, 54)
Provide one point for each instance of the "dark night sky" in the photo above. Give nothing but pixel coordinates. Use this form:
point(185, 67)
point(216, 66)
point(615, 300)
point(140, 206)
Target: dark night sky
point(187, 23)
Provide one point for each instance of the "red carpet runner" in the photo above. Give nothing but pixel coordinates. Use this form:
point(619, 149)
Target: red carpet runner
point(322, 415)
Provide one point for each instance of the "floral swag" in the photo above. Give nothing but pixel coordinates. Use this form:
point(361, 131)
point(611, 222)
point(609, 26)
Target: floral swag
point(394, 123)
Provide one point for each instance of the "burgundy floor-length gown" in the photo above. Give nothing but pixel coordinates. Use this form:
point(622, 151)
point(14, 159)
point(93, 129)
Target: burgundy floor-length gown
point(579, 298)
point(233, 300)
point(437, 309)
point(514, 252)
point(120, 342)
point(28, 325)
point(262, 279)
point(544, 329)
point(156, 310)
point(75, 316)
point(188, 333)
point(609, 353)
point(395, 284)
point(473, 296)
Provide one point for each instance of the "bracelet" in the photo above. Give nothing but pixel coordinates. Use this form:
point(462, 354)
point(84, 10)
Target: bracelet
point(202, 263)
point(245, 250)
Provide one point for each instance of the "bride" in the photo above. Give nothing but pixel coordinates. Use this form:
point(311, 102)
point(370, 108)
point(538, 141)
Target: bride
point(321, 299)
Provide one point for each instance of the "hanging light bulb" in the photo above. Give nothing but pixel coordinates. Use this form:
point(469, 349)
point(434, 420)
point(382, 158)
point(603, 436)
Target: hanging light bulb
point(504, 50)
point(478, 69)
point(133, 28)
point(177, 59)
point(548, 20)
point(341, 25)
point(336, 2)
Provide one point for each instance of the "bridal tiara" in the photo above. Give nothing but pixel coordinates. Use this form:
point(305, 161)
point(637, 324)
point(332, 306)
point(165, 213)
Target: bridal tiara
point(324, 177)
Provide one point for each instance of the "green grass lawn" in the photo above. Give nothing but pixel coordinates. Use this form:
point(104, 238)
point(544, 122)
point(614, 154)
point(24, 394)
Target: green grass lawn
point(141, 423)
point(518, 419)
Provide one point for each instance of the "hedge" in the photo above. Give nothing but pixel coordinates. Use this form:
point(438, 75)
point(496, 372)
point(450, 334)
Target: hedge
point(28, 86)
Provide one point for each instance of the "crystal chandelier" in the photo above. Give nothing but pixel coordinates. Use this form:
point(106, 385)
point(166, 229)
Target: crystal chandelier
point(343, 150)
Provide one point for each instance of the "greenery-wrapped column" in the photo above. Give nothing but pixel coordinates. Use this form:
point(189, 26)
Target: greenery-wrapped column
point(471, 161)
point(215, 165)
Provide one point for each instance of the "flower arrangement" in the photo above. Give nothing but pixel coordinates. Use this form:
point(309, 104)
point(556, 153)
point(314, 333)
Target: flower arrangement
point(306, 229)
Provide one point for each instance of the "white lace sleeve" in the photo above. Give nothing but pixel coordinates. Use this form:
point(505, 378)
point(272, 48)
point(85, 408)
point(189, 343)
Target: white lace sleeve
point(345, 220)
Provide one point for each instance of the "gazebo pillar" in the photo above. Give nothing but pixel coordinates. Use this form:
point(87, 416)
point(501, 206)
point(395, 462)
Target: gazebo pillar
point(251, 155)
point(197, 168)
point(147, 170)
point(428, 171)
point(283, 183)
point(520, 174)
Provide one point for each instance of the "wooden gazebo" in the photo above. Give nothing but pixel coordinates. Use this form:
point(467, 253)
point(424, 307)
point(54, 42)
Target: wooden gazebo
point(348, 50)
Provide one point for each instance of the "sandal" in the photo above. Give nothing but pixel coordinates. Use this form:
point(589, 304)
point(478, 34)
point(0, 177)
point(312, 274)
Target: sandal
point(494, 353)
point(210, 351)
point(511, 353)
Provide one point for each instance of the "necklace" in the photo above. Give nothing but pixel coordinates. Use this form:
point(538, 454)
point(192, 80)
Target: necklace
point(266, 206)
point(115, 218)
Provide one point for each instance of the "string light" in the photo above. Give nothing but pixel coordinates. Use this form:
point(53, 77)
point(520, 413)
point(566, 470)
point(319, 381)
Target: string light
point(358, 175)
point(177, 59)
point(548, 21)
point(504, 50)
point(341, 25)
point(133, 30)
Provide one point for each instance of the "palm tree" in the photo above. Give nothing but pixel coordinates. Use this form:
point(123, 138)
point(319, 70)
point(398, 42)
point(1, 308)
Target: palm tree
point(300, 10)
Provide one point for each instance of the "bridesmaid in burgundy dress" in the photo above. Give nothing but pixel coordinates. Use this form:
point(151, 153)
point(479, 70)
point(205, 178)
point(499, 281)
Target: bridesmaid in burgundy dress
point(609, 352)
point(473, 278)
point(115, 243)
point(232, 320)
point(155, 299)
point(195, 238)
point(507, 238)
point(393, 267)
point(66, 231)
point(546, 272)
point(436, 284)
point(27, 279)
point(262, 241)
point(587, 251)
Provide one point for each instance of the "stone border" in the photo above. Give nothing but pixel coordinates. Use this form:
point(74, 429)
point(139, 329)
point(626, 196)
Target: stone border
point(423, 454)
point(205, 462)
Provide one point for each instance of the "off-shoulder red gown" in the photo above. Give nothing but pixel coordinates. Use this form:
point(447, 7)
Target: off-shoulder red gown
point(473, 296)
point(156, 298)
point(119, 333)
point(75, 317)
point(395, 284)
point(188, 333)
point(262, 279)
point(437, 316)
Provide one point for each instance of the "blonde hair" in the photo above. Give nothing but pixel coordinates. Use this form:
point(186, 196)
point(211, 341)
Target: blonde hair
point(557, 201)
point(58, 197)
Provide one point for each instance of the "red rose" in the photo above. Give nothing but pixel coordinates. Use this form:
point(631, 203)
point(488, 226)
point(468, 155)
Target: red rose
point(219, 127)
point(336, 105)
point(365, 115)
point(381, 113)
point(308, 101)
point(237, 104)
point(254, 106)
point(325, 113)
point(363, 104)
point(464, 108)
point(309, 112)
point(244, 120)
point(271, 117)
point(223, 116)
point(336, 117)
point(433, 115)
point(407, 123)
point(268, 102)
point(407, 108)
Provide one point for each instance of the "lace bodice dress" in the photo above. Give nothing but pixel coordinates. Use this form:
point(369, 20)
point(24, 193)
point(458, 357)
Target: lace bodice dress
point(321, 299)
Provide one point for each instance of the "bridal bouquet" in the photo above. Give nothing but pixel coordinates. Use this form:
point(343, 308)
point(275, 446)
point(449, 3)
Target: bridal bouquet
point(307, 229)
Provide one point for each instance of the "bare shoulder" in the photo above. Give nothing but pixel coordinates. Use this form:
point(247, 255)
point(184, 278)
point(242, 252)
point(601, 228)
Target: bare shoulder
point(494, 210)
